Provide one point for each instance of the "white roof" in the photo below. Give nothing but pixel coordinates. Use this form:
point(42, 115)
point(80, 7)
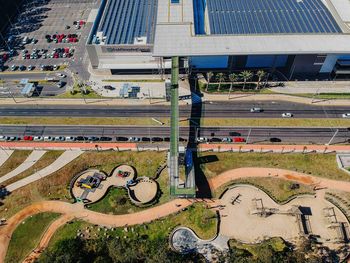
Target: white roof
point(175, 36)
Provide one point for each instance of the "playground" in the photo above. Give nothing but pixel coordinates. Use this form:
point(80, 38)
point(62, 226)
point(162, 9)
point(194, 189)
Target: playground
point(91, 186)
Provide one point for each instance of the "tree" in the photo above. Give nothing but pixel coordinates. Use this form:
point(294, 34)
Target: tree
point(260, 74)
point(220, 77)
point(233, 78)
point(209, 76)
point(246, 75)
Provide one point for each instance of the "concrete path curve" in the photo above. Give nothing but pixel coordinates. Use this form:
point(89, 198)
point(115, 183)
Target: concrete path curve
point(4, 155)
point(60, 162)
point(29, 162)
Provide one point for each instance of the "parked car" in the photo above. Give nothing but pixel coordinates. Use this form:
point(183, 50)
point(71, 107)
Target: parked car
point(93, 139)
point(202, 139)
point(109, 87)
point(81, 138)
point(13, 67)
point(105, 139)
point(38, 138)
point(61, 75)
point(30, 68)
point(346, 115)
point(48, 138)
point(60, 138)
point(121, 139)
point(215, 139)
point(28, 138)
point(287, 115)
point(3, 138)
point(13, 138)
point(134, 139)
point(226, 139)
point(70, 139)
point(238, 139)
point(156, 139)
point(256, 110)
point(274, 139)
point(145, 139)
point(182, 139)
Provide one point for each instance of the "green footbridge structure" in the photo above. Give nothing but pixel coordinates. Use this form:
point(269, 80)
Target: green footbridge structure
point(180, 161)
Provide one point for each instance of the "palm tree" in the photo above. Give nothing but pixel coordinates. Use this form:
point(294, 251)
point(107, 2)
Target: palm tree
point(260, 74)
point(246, 75)
point(209, 76)
point(220, 77)
point(233, 78)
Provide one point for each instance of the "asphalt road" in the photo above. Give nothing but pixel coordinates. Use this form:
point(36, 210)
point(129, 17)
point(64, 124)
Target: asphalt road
point(236, 109)
point(256, 134)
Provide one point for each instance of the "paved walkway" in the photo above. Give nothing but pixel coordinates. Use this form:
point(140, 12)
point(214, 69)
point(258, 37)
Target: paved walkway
point(4, 155)
point(60, 162)
point(29, 162)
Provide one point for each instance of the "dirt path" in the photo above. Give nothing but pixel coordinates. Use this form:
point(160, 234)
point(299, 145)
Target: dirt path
point(71, 211)
point(230, 175)
point(45, 239)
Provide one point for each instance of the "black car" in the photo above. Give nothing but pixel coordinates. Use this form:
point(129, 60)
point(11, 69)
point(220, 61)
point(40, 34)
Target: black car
point(145, 139)
point(167, 139)
point(105, 139)
point(234, 133)
point(215, 139)
point(93, 139)
point(121, 139)
point(274, 139)
point(109, 87)
point(81, 138)
point(156, 139)
point(182, 139)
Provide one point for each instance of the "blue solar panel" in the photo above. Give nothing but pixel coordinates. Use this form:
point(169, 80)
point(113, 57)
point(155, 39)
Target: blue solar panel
point(266, 17)
point(123, 20)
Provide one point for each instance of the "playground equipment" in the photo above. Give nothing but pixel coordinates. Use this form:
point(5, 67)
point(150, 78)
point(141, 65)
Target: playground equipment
point(122, 173)
point(91, 182)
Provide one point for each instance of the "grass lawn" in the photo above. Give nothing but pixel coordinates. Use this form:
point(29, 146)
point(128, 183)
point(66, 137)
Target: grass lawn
point(78, 95)
point(279, 189)
point(55, 186)
point(82, 121)
point(202, 220)
point(47, 159)
point(271, 122)
point(27, 236)
point(323, 165)
point(276, 243)
point(323, 95)
point(16, 158)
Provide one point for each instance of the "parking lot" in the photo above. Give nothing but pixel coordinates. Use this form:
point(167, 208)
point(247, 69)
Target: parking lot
point(49, 33)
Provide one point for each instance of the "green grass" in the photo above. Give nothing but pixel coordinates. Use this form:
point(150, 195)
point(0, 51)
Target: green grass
point(277, 188)
point(55, 186)
point(277, 244)
point(322, 165)
point(202, 220)
point(47, 159)
point(322, 95)
point(16, 159)
point(27, 236)
point(273, 122)
point(78, 95)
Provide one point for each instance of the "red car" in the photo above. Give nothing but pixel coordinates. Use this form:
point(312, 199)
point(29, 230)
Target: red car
point(28, 138)
point(238, 139)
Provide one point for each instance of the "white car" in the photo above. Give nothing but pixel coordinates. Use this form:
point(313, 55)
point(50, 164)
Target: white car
point(226, 139)
point(38, 138)
point(30, 68)
point(346, 115)
point(134, 139)
point(61, 75)
point(59, 138)
point(256, 110)
point(48, 138)
point(3, 138)
point(70, 139)
point(202, 139)
point(55, 67)
point(287, 115)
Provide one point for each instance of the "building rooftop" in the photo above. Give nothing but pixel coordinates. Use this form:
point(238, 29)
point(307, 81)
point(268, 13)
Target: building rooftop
point(128, 22)
point(269, 17)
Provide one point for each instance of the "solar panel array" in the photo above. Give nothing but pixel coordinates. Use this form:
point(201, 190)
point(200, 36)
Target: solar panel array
point(123, 20)
point(270, 16)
